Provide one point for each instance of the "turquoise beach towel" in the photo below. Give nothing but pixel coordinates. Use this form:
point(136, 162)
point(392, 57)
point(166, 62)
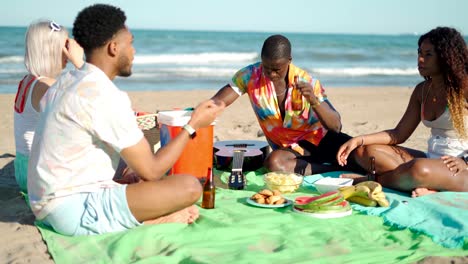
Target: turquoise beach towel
point(237, 232)
point(443, 216)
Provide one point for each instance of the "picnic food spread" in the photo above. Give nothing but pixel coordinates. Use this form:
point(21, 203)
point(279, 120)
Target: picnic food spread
point(368, 193)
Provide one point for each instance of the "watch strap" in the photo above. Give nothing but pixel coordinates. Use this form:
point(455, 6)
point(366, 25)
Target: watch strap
point(190, 130)
point(465, 158)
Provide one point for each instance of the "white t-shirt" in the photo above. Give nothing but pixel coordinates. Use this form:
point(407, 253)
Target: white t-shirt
point(85, 123)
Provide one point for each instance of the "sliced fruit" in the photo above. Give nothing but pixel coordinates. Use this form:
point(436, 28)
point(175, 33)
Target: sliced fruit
point(301, 202)
point(327, 209)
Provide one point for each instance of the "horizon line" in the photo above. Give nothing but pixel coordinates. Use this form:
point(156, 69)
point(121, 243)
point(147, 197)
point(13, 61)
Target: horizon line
point(253, 31)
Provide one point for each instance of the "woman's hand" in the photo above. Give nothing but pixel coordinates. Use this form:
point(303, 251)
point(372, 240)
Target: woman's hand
point(454, 164)
point(74, 52)
point(347, 148)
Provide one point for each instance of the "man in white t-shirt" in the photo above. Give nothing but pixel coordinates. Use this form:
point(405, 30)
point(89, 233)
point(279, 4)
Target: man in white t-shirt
point(87, 124)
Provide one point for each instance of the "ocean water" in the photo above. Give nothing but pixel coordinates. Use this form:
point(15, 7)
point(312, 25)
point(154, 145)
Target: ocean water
point(189, 60)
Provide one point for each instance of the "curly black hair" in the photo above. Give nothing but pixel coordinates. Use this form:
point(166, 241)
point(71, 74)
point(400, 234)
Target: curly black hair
point(276, 47)
point(97, 24)
point(452, 53)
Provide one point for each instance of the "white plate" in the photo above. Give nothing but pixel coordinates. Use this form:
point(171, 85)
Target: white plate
point(323, 216)
point(252, 202)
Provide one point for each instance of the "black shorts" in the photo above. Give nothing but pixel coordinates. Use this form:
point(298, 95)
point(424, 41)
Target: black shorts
point(326, 151)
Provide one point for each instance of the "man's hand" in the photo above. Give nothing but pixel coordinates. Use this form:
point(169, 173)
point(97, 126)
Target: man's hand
point(205, 113)
point(308, 92)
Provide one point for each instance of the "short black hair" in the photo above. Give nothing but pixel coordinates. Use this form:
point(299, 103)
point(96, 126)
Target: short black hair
point(97, 24)
point(276, 47)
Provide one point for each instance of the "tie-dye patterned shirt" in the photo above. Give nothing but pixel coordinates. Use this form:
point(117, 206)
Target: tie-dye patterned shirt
point(296, 125)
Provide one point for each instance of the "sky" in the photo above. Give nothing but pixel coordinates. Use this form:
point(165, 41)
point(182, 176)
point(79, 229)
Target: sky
point(309, 16)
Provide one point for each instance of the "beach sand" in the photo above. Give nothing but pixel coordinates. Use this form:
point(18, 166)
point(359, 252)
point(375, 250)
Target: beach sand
point(363, 110)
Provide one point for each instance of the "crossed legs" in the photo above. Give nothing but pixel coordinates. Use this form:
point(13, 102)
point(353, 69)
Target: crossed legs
point(290, 161)
point(409, 170)
point(315, 159)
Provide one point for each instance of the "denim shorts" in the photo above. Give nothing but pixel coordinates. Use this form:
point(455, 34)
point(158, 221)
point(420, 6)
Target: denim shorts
point(92, 213)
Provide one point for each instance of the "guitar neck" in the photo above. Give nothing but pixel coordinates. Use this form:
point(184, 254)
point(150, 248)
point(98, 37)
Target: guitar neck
point(237, 179)
point(237, 160)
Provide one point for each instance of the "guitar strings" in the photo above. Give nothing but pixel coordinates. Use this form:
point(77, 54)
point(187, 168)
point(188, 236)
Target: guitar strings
point(238, 160)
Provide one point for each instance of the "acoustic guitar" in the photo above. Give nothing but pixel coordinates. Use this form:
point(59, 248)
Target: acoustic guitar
point(239, 155)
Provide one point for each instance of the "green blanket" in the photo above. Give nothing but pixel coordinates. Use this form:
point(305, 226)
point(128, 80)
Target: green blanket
point(236, 232)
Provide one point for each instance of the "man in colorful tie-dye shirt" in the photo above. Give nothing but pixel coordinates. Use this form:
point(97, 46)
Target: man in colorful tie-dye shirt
point(303, 140)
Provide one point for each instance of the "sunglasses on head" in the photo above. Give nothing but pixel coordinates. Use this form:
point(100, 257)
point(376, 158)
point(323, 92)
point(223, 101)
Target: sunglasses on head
point(54, 26)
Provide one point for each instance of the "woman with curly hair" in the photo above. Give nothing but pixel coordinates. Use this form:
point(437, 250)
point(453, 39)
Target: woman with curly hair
point(440, 102)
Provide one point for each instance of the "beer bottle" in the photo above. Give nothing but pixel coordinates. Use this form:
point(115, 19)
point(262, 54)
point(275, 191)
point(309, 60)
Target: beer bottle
point(209, 191)
point(296, 96)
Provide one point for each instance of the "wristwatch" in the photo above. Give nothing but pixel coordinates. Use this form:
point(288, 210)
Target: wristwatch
point(190, 130)
point(465, 158)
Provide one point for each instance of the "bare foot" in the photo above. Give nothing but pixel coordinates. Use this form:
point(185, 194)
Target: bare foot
point(356, 177)
point(418, 192)
point(187, 215)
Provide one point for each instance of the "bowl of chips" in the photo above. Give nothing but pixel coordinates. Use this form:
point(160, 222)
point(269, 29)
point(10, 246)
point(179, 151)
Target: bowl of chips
point(285, 182)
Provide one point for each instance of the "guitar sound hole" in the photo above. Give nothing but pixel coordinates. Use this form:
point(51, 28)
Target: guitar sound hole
point(254, 152)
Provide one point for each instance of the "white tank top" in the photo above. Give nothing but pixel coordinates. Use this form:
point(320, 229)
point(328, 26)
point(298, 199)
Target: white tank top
point(25, 124)
point(444, 139)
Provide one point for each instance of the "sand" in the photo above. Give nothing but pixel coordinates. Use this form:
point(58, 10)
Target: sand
point(363, 110)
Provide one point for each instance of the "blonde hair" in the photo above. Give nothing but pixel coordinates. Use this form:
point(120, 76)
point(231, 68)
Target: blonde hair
point(456, 102)
point(43, 49)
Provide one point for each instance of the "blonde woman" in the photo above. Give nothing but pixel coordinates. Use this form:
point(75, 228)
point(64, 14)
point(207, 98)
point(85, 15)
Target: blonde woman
point(440, 103)
point(47, 50)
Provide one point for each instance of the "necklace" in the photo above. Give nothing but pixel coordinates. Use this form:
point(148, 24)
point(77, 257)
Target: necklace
point(434, 97)
point(282, 93)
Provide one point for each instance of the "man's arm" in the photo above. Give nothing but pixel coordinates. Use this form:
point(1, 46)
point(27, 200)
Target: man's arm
point(328, 116)
point(227, 95)
point(149, 166)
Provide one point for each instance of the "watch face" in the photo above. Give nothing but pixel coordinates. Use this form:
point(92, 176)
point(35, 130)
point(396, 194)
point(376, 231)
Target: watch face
point(190, 130)
point(465, 158)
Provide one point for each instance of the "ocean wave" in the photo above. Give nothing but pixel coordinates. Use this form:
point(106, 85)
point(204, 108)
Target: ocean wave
point(364, 71)
point(185, 72)
point(197, 58)
point(11, 59)
point(12, 71)
point(228, 72)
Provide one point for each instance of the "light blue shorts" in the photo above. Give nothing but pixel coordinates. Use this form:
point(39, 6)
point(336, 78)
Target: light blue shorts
point(93, 213)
